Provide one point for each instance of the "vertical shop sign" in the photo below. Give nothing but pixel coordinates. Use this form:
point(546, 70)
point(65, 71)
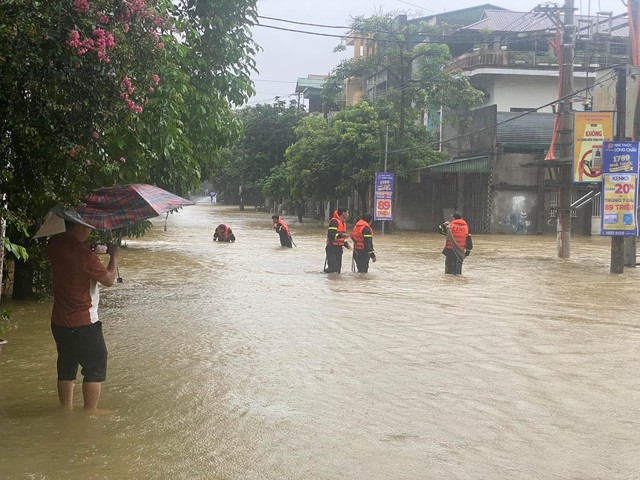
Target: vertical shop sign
point(619, 189)
point(590, 131)
point(383, 196)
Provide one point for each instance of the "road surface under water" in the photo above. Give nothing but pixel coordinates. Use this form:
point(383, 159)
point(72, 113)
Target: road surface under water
point(244, 361)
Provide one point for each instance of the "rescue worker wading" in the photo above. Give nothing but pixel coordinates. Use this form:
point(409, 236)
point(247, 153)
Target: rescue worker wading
point(362, 237)
point(282, 229)
point(336, 240)
point(223, 234)
point(459, 243)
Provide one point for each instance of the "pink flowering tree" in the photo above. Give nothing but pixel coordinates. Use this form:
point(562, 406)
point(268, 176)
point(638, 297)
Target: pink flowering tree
point(101, 92)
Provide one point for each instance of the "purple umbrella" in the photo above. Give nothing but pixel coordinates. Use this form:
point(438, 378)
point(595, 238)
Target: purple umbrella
point(114, 207)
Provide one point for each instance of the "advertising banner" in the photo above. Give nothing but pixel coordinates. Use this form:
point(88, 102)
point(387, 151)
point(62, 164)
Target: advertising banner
point(383, 196)
point(619, 189)
point(590, 131)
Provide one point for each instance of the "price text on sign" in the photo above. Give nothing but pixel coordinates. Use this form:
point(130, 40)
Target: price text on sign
point(619, 204)
point(383, 194)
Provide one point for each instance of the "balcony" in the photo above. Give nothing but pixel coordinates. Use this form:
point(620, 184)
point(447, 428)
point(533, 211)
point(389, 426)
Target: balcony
point(530, 60)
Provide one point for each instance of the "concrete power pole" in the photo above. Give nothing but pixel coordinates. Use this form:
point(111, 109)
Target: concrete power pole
point(566, 133)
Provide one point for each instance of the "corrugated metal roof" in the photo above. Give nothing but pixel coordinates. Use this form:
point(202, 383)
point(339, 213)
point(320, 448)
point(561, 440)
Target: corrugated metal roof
point(463, 16)
point(478, 164)
point(508, 21)
point(531, 131)
point(309, 83)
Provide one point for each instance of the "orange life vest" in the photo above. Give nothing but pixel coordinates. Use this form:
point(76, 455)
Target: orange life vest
point(283, 225)
point(342, 228)
point(223, 232)
point(460, 231)
point(357, 236)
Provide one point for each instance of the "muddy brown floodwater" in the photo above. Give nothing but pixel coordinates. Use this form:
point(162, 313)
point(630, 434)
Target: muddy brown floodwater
point(243, 361)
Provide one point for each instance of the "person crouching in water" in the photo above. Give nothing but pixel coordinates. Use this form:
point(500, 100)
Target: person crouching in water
point(459, 243)
point(282, 229)
point(362, 237)
point(223, 234)
point(336, 235)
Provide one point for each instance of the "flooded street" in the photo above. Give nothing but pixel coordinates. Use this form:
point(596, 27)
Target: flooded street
point(244, 361)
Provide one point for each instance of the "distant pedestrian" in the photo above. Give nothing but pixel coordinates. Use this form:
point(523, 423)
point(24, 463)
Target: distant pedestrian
point(362, 237)
point(282, 229)
point(212, 195)
point(336, 235)
point(459, 243)
point(223, 234)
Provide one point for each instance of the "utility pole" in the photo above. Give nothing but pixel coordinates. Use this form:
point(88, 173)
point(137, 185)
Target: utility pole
point(566, 133)
point(629, 248)
point(386, 154)
point(616, 264)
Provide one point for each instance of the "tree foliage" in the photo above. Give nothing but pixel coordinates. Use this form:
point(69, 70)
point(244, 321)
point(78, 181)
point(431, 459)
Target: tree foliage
point(102, 92)
point(401, 51)
point(254, 161)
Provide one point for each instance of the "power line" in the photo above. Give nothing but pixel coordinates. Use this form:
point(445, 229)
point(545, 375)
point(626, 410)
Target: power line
point(303, 23)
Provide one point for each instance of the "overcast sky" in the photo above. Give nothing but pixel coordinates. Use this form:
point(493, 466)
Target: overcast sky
point(287, 56)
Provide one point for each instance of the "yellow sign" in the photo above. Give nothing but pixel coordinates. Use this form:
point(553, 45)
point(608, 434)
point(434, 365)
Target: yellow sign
point(590, 130)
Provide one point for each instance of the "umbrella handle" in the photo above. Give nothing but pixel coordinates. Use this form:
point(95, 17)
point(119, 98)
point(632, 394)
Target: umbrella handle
point(119, 279)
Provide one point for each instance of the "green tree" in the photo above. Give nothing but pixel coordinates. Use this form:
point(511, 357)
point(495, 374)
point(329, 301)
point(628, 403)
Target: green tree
point(313, 171)
point(102, 92)
point(403, 51)
point(267, 131)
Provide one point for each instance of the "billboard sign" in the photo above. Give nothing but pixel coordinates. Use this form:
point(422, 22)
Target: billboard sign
point(383, 196)
point(590, 131)
point(619, 189)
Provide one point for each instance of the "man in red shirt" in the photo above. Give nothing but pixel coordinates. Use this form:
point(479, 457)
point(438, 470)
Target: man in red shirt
point(74, 319)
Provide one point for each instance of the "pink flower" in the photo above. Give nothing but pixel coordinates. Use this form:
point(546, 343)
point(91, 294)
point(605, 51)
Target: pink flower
point(87, 161)
point(123, 160)
point(151, 90)
point(126, 28)
point(72, 152)
point(156, 79)
point(95, 135)
point(82, 6)
point(102, 18)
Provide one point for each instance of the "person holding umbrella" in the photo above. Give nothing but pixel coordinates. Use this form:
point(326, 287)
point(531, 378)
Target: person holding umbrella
point(77, 271)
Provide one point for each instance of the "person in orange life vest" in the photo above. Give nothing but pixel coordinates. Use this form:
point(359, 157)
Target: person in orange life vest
point(282, 229)
point(223, 234)
point(336, 235)
point(362, 237)
point(459, 243)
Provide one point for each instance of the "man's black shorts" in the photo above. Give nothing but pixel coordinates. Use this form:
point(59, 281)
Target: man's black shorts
point(82, 346)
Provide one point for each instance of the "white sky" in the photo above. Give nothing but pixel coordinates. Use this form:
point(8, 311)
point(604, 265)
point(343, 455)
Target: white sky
point(287, 56)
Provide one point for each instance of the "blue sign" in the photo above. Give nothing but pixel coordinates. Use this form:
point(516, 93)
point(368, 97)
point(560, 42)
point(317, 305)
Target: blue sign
point(619, 189)
point(383, 196)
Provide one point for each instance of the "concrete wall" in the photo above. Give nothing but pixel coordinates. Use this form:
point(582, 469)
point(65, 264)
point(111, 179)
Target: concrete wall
point(523, 90)
point(508, 170)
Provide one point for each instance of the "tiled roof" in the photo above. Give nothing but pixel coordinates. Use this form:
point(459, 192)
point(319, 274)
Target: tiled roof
point(507, 21)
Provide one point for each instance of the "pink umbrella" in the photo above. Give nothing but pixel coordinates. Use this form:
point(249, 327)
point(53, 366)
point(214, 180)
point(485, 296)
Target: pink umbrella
point(114, 207)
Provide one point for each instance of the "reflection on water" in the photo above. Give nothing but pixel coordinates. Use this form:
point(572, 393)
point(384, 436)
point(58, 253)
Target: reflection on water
point(243, 361)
